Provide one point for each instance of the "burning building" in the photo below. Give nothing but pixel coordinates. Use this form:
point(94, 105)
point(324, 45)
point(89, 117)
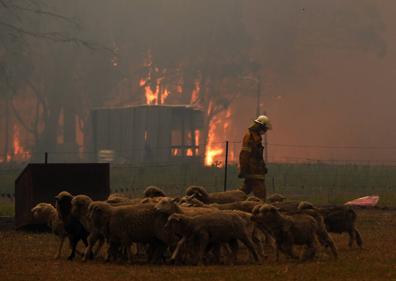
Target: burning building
point(149, 134)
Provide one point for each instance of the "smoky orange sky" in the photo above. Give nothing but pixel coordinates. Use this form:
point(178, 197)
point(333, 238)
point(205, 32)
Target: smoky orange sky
point(346, 98)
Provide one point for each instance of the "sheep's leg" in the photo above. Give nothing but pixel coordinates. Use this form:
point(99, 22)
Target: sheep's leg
point(100, 246)
point(92, 238)
point(249, 244)
point(326, 241)
point(177, 249)
point(359, 240)
point(203, 243)
point(215, 248)
point(129, 254)
point(259, 245)
point(332, 246)
point(287, 248)
point(73, 244)
point(234, 250)
point(158, 249)
point(111, 251)
point(310, 251)
point(60, 246)
point(352, 237)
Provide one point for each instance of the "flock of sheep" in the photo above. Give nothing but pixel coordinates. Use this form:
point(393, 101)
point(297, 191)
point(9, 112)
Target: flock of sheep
point(197, 228)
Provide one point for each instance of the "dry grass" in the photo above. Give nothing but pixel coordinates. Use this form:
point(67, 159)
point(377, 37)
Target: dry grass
point(26, 256)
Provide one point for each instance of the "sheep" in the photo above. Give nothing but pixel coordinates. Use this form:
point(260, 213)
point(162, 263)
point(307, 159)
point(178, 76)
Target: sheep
point(80, 205)
point(276, 197)
point(123, 225)
point(46, 213)
point(74, 229)
point(341, 219)
point(211, 228)
point(254, 199)
point(338, 219)
point(299, 229)
point(153, 191)
point(322, 234)
point(200, 193)
point(169, 206)
point(79, 209)
point(246, 206)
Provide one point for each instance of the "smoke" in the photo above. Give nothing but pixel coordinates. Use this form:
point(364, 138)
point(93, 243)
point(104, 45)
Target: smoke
point(327, 68)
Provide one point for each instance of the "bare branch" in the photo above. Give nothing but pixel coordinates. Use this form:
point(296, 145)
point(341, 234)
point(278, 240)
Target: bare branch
point(40, 11)
point(53, 36)
point(3, 4)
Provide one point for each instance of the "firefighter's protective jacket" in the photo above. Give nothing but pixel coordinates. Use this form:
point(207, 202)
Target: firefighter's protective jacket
point(251, 161)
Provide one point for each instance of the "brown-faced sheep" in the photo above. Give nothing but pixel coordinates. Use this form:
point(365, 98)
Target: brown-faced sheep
point(211, 228)
point(200, 193)
point(74, 229)
point(299, 229)
point(46, 213)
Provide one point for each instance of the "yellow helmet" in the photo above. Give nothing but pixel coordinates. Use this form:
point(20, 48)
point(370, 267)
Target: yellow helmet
point(263, 120)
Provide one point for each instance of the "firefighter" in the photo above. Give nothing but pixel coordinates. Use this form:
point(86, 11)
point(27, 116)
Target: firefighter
point(251, 161)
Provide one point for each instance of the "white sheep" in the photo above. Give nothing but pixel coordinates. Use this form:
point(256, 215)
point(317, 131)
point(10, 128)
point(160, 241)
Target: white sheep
point(46, 213)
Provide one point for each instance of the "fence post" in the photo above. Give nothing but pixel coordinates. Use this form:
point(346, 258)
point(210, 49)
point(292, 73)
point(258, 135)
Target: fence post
point(226, 167)
point(46, 158)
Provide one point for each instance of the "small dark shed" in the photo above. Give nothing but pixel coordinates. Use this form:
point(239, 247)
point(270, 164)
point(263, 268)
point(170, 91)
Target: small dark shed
point(42, 182)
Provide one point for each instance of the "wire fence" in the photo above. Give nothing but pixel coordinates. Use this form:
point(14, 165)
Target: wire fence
point(319, 180)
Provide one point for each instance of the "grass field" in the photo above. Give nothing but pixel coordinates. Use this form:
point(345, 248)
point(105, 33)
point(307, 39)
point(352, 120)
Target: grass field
point(318, 182)
point(27, 256)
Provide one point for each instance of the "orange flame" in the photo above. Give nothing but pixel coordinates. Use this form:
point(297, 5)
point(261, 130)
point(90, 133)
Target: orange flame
point(213, 150)
point(189, 152)
point(19, 153)
point(195, 92)
point(215, 147)
point(164, 95)
point(154, 97)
